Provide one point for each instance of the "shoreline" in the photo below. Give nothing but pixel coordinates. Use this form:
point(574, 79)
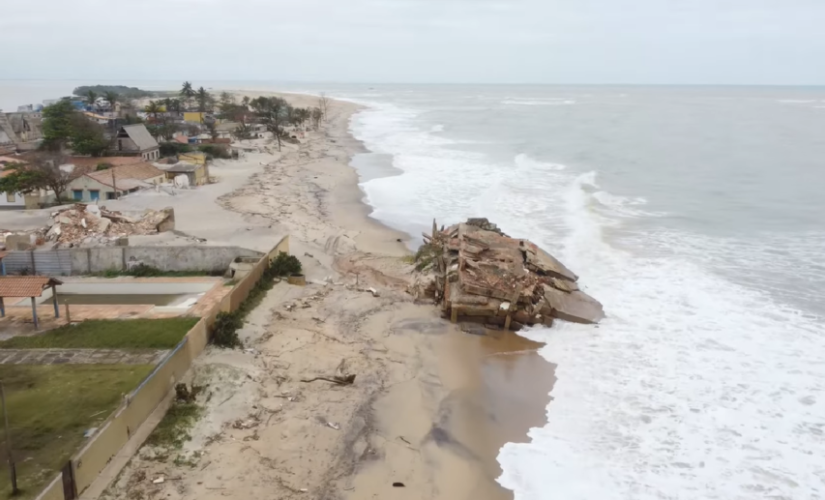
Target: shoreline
point(431, 406)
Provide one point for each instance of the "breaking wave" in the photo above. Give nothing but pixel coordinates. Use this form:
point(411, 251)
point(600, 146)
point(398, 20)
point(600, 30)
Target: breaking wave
point(695, 386)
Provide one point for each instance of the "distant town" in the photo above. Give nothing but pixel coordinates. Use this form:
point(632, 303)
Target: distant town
point(108, 141)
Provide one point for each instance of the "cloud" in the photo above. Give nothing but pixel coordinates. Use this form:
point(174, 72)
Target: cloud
point(553, 41)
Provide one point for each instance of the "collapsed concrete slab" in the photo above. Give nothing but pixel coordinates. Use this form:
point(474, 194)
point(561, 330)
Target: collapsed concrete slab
point(479, 274)
point(92, 225)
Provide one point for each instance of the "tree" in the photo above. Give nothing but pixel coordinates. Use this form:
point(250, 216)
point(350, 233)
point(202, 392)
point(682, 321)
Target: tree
point(174, 106)
point(245, 101)
point(43, 172)
point(57, 125)
point(18, 179)
point(243, 131)
point(213, 129)
point(203, 98)
point(86, 137)
point(322, 104)
point(113, 98)
point(64, 128)
point(317, 116)
point(165, 130)
point(91, 99)
point(273, 112)
point(153, 108)
point(187, 92)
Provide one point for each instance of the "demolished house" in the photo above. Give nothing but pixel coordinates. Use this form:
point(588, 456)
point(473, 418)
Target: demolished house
point(91, 225)
point(479, 274)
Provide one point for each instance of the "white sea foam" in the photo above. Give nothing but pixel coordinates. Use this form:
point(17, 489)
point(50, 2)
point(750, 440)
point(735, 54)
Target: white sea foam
point(695, 387)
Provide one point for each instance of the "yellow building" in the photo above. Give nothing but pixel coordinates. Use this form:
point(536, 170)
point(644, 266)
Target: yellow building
point(195, 158)
point(198, 174)
point(193, 116)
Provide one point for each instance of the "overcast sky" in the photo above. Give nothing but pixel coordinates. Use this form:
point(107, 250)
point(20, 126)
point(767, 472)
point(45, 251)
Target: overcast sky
point(406, 41)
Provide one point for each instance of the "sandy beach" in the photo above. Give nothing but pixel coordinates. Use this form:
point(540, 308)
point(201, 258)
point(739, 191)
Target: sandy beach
point(431, 404)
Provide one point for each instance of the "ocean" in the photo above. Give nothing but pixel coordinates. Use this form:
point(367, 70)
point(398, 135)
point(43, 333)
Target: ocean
point(695, 214)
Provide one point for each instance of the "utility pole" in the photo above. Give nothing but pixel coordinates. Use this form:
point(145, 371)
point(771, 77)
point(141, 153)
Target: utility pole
point(12, 470)
point(114, 183)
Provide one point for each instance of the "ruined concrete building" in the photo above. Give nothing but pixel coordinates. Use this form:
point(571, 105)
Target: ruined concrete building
point(479, 274)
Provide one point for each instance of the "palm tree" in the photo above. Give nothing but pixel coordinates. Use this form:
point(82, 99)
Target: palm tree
point(174, 105)
point(153, 109)
point(113, 98)
point(187, 92)
point(202, 98)
point(91, 98)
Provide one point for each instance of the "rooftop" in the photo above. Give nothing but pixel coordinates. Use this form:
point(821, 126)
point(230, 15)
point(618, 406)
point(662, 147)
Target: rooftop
point(183, 167)
point(25, 286)
point(126, 175)
point(140, 134)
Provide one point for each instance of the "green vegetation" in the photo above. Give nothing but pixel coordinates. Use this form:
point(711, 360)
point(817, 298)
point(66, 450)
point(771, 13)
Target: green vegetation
point(50, 407)
point(174, 148)
point(215, 151)
point(41, 171)
point(109, 334)
point(127, 92)
point(224, 331)
point(63, 127)
point(173, 430)
point(425, 256)
point(285, 265)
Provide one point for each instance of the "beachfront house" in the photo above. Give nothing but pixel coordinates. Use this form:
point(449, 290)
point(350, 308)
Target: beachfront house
point(198, 175)
point(115, 181)
point(136, 140)
point(20, 201)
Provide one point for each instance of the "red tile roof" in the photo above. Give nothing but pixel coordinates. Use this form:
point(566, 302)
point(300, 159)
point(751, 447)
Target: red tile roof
point(25, 286)
point(115, 161)
point(136, 171)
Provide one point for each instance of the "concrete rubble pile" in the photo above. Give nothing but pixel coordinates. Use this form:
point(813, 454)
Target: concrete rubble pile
point(87, 225)
point(479, 274)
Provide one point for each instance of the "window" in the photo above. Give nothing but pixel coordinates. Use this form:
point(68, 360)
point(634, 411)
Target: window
point(10, 197)
point(94, 194)
point(77, 194)
point(110, 196)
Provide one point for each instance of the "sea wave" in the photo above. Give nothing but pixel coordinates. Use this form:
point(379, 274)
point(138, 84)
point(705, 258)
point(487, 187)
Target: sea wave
point(695, 386)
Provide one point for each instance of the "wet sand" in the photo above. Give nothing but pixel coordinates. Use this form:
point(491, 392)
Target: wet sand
point(431, 405)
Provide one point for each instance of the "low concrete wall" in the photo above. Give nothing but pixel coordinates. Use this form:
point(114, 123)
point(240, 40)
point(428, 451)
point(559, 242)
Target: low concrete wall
point(115, 433)
point(243, 287)
point(79, 261)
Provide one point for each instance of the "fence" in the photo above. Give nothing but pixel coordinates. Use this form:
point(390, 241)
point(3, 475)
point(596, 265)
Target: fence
point(88, 463)
point(66, 262)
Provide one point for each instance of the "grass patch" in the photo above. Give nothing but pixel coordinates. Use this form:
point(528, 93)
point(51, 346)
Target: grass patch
point(408, 259)
point(50, 407)
point(225, 331)
point(109, 334)
point(173, 430)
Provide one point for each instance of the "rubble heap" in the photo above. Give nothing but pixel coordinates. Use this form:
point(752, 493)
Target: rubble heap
point(479, 274)
point(92, 224)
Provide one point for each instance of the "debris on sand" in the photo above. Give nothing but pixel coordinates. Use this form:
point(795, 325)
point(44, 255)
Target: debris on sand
point(92, 225)
point(479, 274)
